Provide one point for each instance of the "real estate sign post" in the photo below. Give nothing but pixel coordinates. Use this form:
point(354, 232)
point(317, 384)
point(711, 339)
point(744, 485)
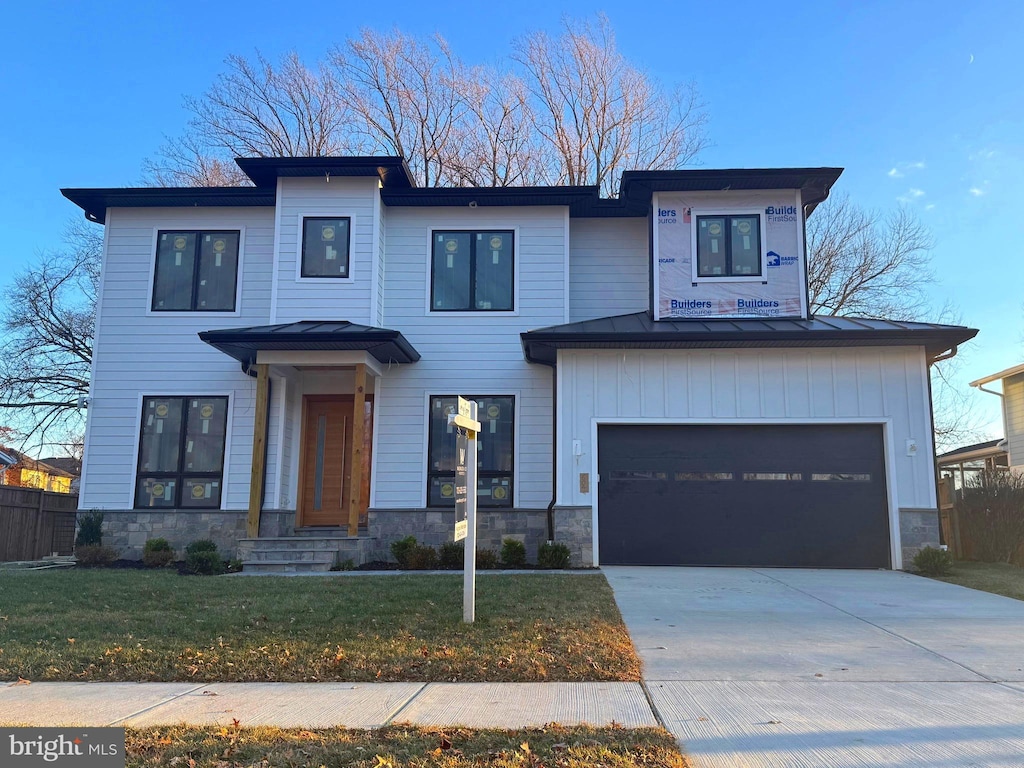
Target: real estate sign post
point(465, 498)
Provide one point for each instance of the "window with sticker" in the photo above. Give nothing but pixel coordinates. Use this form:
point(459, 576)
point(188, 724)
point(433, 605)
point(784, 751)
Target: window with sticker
point(472, 271)
point(729, 246)
point(196, 271)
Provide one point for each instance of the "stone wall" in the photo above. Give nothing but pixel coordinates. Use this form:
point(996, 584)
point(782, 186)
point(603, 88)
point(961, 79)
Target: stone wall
point(919, 528)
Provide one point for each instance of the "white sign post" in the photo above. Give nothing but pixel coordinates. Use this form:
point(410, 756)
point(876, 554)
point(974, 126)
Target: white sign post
point(465, 499)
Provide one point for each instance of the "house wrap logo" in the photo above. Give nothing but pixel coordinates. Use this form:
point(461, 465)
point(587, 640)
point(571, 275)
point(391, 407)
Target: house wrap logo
point(781, 213)
point(70, 747)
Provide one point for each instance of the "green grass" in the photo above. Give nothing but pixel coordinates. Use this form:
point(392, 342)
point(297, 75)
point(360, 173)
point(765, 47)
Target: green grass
point(999, 578)
point(401, 746)
point(155, 625)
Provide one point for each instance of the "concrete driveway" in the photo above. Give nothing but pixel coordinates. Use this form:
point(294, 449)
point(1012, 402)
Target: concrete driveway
point(778, 667)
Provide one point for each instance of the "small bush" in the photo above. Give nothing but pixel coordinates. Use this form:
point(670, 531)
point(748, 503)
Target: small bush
point(487, 560)
point(90, 530)
point(157, 553)
point(422, 558)
point(452, 556)
point(234, 565)
point(204, 563)
point(157, 545)
point(933, 562)
point(348, 564)
point(400, 550)
point(552, 555)
point(513, 553)
point(201, 545)
point(92, 555)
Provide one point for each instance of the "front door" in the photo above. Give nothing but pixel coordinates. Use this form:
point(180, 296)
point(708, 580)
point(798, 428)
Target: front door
point(325, 460)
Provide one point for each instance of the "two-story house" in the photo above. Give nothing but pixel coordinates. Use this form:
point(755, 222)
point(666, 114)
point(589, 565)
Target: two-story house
point(274, 366)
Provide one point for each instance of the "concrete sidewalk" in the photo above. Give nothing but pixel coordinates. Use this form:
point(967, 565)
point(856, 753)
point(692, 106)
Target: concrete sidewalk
point(323, 705)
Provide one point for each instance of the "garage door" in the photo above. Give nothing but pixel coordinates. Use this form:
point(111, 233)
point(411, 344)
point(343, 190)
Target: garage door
point(807, 495)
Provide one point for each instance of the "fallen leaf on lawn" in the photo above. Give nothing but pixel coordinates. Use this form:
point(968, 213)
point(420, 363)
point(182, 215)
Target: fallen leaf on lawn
point(21, 681)
point(209, 693)
point(445, 744)
point(71, 640)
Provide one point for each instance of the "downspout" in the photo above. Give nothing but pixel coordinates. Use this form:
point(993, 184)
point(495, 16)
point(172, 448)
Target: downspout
point(554, 451)
point(951, 352)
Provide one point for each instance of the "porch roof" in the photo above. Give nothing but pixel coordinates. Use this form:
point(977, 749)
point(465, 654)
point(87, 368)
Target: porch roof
point(243, 344)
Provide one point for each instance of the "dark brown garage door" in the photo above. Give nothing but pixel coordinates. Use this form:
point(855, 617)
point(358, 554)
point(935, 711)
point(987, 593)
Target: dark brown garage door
point(774, 495)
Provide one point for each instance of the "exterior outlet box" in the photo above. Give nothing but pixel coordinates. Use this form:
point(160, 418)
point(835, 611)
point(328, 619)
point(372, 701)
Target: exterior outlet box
point(911, 447)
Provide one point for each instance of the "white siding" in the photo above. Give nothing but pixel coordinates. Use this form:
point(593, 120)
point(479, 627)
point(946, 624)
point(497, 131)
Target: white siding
point(609, 263)
point(467, 353)
point(327, 298)
point(138, 352)
point(803, 385)
point(1013, 414)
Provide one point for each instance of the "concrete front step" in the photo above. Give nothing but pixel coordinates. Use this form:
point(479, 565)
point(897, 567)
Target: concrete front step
point(293, 554)
point(285, 566)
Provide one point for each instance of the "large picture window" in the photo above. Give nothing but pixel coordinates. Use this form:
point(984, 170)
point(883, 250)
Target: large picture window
point(195, 271)
point(472, 271)
point(496, 450)
point(325, 247)
point(729, 246)
point(181, 452)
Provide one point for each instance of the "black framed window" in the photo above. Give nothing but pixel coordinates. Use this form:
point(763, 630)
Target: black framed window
point(325, 246)
point(181, 452)
point(495, 452)
point(472, 271)
point(196, 271)
point(729, 246)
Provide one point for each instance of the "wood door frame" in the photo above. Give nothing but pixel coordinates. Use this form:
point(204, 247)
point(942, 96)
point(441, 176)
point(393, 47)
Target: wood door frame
point(306, 399)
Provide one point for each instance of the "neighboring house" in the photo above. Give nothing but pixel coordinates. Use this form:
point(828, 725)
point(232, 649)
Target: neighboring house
point(274, 366)
point(1011, 395)
point(68, 464)
point(27, 472)
point(965, 465)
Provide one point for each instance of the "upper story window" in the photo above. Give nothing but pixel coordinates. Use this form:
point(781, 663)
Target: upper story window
point(325, 246)
point(472, 271)
point(729, 246)
point(196, 271)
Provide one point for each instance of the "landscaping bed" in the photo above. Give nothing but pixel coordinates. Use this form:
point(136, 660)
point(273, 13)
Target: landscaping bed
point(400, 746)
point(128, 625)
point(998, 578)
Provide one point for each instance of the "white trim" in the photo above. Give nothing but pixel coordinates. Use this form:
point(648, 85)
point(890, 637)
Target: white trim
point(275, 273)
point(566, 257)
point(889, 459)
point(231, 395)
point(801, 249)
point(339, 358)
point(1017, 369)
point(463, 226)
point(187, 226)
point(655, 264)
point(320, 212)
point(718, 211)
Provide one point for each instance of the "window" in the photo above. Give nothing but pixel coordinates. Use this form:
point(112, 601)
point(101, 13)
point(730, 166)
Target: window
point(729, 246)
point(495, 451)
point(325, 247)
point(472, 271)
point(181, 452)
point(195, 271)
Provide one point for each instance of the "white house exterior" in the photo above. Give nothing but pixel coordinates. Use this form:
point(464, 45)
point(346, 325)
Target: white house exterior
point(1011, 383)
point(645, 366)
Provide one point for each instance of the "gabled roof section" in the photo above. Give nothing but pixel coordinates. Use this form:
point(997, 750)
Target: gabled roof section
point(385, 345)
point(641, 331)
point(96, 201)
point(392, 171)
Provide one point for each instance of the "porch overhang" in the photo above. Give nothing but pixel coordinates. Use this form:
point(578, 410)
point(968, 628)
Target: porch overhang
point(246, 344)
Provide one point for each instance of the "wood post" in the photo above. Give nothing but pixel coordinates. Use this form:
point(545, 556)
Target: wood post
point(259, 451)
point(355, 483)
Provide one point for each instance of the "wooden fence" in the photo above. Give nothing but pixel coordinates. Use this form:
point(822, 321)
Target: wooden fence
point(35, 523)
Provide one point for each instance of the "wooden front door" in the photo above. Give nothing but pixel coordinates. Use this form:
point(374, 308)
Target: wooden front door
point(325, 462)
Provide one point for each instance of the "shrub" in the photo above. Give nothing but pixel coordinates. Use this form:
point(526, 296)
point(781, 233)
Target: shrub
point(400, 550)
point(90, 529)
point(487, 559)
point(92, 555)
point(552, 555)
point(933, 562)
point(205, 563)
point(452, 556)
point(234, 565)
point(513, 553)
point(157, 553)
point(422, 558)
point(991, 512)
point(201, 545)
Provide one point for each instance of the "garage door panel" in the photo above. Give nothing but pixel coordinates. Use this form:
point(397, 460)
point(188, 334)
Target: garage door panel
point(779, 495)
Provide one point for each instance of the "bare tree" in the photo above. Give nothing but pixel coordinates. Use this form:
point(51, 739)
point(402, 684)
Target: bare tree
point(184, 162)
point(46, 354)
point(599, 113)
point(865, 264)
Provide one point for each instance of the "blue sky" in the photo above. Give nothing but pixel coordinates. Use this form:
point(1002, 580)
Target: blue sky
point(921, 102)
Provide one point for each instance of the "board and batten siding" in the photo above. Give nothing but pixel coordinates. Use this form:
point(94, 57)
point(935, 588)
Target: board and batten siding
point(1013, 415)
point(348, 298)
point(884, 383)
point(473, 353)
point(609, 268)
point(138, 352)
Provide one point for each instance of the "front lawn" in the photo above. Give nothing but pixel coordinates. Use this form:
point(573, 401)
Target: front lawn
point(999, 578)
point(401, 746)
point(151, 625)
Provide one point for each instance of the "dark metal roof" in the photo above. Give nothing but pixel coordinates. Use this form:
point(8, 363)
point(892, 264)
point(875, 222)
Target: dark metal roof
point(641, 331)
point(992, 446)
point(243, 343)
point(577, 198)
point(95, 202)
point(392, 171)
